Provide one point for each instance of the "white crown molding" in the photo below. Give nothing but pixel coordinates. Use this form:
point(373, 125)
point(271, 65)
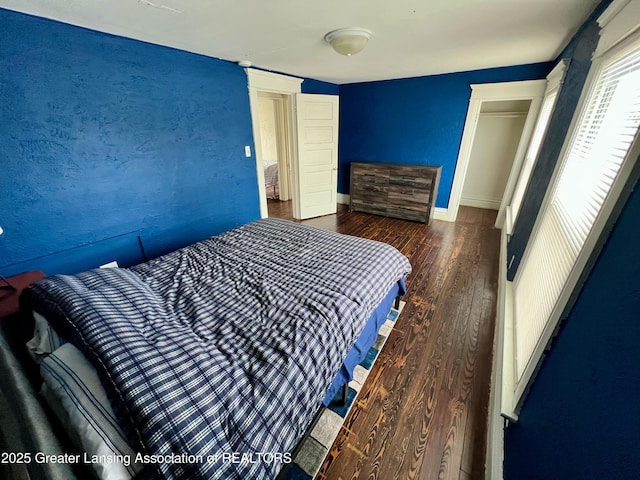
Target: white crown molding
point(618, 22)
point(556, 77)
point(273, 82)
point(612, 10)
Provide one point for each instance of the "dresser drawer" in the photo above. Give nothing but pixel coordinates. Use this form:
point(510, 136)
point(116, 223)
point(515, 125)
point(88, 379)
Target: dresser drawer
point(368, 206)
point(407, 213)
point(402, 195)
point(373, 175)
point(403, 177)
point(366, 189)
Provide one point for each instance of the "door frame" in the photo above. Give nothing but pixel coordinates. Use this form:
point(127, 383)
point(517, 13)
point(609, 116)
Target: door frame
point(525, 90)
point(260, 81)
point(507, 120)
point(281, 119)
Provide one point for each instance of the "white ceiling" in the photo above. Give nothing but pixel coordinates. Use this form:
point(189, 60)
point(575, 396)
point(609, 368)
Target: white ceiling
point(410, 37)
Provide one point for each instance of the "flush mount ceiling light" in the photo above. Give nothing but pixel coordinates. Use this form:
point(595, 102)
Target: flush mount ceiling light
point(348, 41)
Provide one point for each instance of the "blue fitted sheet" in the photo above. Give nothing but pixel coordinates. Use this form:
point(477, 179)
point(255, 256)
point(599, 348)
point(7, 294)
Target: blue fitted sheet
point(365, 341)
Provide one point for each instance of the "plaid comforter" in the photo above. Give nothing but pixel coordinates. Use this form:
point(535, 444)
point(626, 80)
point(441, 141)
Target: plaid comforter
point(227, 345)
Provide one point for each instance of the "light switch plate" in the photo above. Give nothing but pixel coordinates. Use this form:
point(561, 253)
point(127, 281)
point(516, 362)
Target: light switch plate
point(247, 151)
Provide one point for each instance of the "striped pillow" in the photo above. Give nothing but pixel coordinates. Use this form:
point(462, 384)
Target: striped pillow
point(75, 394)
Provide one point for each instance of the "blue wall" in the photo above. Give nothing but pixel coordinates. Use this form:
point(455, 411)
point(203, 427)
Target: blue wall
point(581, 419)
point(578, 51)
point(316, 86)
point(105, 139)
point(415, 120)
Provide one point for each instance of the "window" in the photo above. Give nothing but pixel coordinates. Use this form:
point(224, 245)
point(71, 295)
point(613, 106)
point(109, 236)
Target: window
point(592, 169)
point(554, 82)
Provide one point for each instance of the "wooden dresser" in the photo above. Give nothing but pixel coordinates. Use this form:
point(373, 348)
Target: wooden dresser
point(395, 190)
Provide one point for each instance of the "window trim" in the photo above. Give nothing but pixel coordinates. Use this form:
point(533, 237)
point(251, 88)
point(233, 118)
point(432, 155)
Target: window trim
point(514, 393)
point(555, 80)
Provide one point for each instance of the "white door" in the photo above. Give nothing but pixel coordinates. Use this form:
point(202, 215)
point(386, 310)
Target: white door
point(316, 171)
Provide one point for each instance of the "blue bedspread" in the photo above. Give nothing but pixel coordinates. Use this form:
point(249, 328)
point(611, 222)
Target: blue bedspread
point(228, 345)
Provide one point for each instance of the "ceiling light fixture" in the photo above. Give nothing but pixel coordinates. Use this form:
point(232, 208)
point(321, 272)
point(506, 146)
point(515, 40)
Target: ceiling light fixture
point(348, 41)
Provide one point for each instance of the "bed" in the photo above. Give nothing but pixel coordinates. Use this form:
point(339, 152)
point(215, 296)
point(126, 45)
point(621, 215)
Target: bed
point(222, 351)
point(271, 181)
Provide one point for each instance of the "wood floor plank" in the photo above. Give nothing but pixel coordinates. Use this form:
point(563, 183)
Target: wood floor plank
point(422, 412)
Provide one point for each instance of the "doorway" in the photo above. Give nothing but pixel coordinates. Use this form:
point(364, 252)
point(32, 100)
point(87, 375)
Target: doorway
point(269, 90)
point(309, 146)
point(498, 133)
point(494, 94)
point(273, 121)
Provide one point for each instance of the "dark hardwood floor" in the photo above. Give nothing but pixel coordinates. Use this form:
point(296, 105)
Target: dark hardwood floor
point(422, 412)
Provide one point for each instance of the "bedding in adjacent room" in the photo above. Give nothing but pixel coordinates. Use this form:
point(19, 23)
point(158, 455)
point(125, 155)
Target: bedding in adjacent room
point(228, 345)
point(271, 180)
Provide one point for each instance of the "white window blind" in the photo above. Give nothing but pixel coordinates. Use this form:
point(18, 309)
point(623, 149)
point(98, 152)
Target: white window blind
point(532, 152)
point(554, 82)
point(603, 136)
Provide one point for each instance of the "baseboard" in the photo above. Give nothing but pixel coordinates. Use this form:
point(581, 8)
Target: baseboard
point(480, 202)
point(344, 199)
point(442, 214)
point(495, 428)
